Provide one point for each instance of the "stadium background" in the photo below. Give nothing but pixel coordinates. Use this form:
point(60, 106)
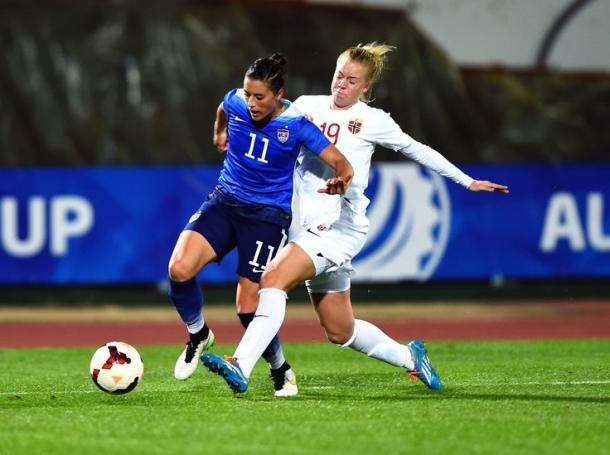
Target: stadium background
point(105, 149)
point(96, 98)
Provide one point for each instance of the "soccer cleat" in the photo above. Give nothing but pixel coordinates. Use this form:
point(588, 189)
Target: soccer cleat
point(423, 368)
point(228, 368)
point(187, 362)
point(284, 381)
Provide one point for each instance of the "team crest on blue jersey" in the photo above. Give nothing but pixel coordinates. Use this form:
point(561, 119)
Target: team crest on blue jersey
point(354, 126)
point(282, 134)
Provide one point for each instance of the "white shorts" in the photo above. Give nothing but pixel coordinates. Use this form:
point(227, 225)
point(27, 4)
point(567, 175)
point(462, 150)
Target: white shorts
point(331, 251)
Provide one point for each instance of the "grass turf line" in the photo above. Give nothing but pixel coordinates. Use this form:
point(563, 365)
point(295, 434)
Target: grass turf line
point(501, 397)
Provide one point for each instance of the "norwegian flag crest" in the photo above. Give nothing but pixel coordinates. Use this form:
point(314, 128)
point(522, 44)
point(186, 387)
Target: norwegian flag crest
point(354, 126)
point(282, 134)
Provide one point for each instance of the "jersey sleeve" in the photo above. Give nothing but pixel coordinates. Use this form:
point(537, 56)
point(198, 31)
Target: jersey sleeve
point(233, 102)
point(427, 156)
point(388, 133)
point(311, 136)
point(391, 136)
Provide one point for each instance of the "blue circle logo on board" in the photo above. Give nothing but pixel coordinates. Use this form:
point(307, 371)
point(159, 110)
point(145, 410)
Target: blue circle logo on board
point(410, 218)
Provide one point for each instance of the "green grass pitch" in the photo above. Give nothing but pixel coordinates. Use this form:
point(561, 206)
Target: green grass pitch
point(539, 397)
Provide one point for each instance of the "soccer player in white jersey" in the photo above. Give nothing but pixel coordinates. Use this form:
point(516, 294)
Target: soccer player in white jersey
point(261, 135)
point(328, 231)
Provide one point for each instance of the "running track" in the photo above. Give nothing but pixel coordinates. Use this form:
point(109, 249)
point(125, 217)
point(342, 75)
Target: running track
point(49, 327)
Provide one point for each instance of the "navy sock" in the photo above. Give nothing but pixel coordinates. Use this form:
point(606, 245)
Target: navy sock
point(273, 348)
point(187, 298)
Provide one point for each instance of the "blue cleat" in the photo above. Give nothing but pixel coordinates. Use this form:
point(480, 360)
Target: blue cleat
point(228, 368)
point(423, 368)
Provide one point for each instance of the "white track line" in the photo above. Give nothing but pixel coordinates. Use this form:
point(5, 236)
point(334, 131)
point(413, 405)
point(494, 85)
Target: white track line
point(481, 384)
point(79, 392)
point(603, 381)
point(493, 384)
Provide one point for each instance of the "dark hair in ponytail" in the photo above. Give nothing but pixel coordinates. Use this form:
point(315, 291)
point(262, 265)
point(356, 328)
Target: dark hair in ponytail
point(270, 70)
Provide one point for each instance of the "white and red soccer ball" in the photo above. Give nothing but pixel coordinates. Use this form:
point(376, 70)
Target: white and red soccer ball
point(116, 367)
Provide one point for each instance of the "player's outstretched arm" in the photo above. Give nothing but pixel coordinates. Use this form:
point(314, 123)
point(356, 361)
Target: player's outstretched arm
point(220, 130)
point(485, 185)
point(343, 171)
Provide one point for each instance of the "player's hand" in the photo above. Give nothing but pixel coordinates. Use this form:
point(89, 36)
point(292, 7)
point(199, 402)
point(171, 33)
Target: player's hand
point(484, 185)
point(221, 141)
point(336, 185)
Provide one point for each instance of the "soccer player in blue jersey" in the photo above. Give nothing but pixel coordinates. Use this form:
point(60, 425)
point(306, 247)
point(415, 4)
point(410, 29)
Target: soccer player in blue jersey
point(324, 240)
point(250, 208)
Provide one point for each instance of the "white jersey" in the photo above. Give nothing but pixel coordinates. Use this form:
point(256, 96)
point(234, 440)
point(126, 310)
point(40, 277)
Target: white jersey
point(355, 132)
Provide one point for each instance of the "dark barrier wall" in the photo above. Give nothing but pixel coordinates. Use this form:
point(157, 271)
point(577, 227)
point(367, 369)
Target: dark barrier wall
point(119, 225)
point(106, 83)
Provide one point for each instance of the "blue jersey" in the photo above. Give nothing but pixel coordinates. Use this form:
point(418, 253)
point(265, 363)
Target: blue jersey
point(260, 160)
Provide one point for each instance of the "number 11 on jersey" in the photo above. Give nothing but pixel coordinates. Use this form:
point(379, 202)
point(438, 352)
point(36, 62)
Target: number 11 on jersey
point(250, 153)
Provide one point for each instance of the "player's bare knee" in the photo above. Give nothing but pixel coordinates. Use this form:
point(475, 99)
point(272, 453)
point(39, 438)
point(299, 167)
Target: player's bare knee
point(270, 278)
point(180, 271)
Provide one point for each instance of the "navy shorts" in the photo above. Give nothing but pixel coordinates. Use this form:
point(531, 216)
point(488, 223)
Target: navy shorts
point(258, 231)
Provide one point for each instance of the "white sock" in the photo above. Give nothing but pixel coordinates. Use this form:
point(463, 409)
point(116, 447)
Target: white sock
point(265, 325)
point(370, 340)
point(196, 325)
